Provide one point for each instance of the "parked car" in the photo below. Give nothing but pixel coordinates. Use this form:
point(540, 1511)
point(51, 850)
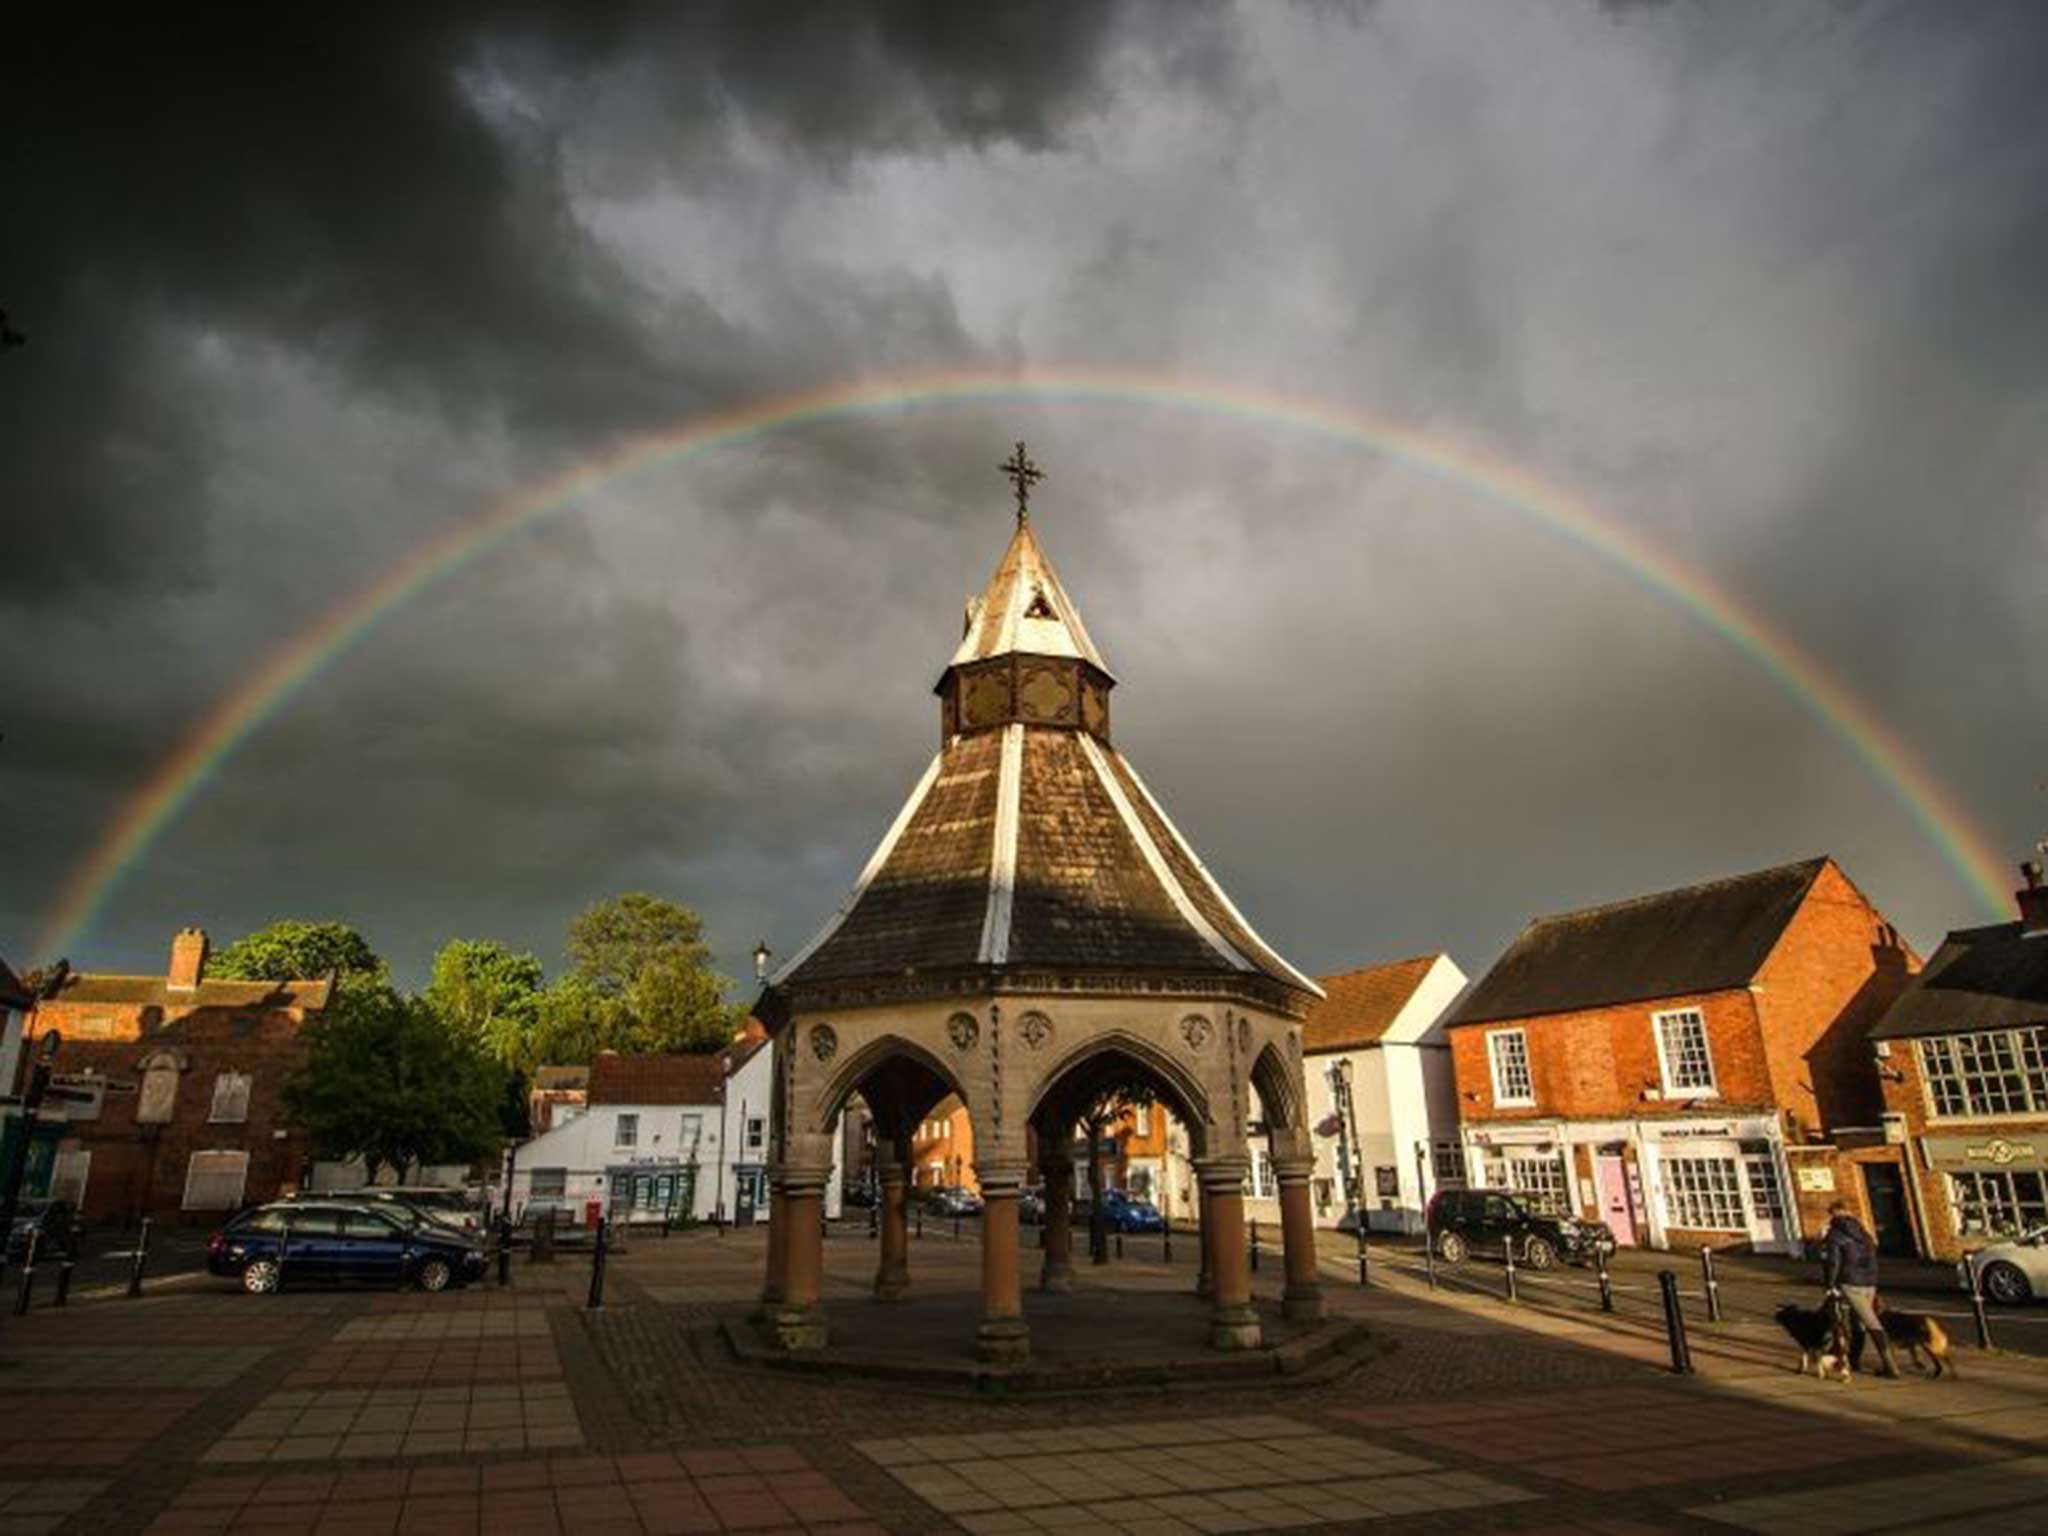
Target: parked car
point(2012, 1269)
point(1125, 1214)
point(1031, 1205)
point(54, 1222)
point(339, 1243)
point(955, 1202)
point(1465, 1221)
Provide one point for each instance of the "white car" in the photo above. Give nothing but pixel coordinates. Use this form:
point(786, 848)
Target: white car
point(2011, 1270)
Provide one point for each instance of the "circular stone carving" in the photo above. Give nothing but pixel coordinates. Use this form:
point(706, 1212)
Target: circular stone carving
point(963, 1029)
point(1034, 1029)
point(824, 1041)
point(1196, 1031)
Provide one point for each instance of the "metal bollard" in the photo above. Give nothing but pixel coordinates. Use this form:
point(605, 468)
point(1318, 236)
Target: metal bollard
point(141, 1257)
point(504, 1251)
point(66, 1262)
point(920, 1218)
point(1606, 1280)
point(1364, 1274)
point(1428, 1253)
point(1255, 1245)
point(1713, 1285)
point(597, 1249)
point(1507, 1259)
point(956, 1224)
point(1674, 1323)
point(1166, 1245)
point(875, 1221)
point(1119, 1242)
point(28, 1272)
point(1977, 1304)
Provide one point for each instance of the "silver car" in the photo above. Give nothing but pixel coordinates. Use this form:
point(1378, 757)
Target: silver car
point(2012, 1269)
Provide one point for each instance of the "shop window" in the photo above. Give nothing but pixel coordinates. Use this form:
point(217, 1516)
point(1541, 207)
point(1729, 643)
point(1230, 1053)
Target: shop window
point(1538, 1179)
point(550, 1183)
point(214, 1180)
point(1701, 1194)
point(1447, 1162)
point(1682, 1051)
point(1508, 1052)
point(1997, 1204)
point(1766, 1195)
point(230, 1099)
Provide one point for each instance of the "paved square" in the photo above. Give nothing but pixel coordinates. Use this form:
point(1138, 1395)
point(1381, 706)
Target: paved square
point(402, 1421)
point(31, 1509)
point(1258, 1472)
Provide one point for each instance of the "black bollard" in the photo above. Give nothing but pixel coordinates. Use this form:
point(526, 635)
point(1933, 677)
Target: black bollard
point(1119, 1242)
point(1255, 1245)
point(1364, 1274)
point(956, 1223)
point(1674, 1323)
point(28, 1271)
point(141, 1257)
point(1606, 1280)
point(1977, 1304)
point(1507, 1260)
point(1166, 1244)
point(1713, 1285)
point(597, 1249)
point(1428, 1251)
point(504, 1251)
point(920, 1218)
point(875, 1221)
point(66, 1261)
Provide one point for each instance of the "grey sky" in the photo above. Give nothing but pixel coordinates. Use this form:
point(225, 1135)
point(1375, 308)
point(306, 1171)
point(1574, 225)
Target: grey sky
point(1763, 283)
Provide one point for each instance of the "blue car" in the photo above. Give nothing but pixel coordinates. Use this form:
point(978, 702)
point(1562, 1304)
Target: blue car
point(309, 1242)
point(1128, 1215)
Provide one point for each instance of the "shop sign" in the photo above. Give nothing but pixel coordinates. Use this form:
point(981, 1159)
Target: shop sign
point(1720, 1132)
point(1992, 1152)
point(1819, 1181)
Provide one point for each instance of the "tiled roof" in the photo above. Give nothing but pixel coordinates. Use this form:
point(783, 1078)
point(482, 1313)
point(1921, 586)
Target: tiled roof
point(1034, 845)
point(1704, 938)
point(83, 988)
point(561, 1079)
point(12, 993)
point(1981, 978)
point(1358, 1006)
point(619, 1079)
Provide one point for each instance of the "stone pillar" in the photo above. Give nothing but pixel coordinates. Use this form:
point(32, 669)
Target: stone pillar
point(1234, 1324)
point(1205, 1276)
point(1303, 1297)
point(1004, 1338)
point(1058, 1274)
point(778, 1234)
point(798, 1320)
point(892, 1274)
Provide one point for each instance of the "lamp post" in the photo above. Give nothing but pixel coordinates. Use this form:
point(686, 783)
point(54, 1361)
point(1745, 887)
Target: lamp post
point(1350, 1155)
point(762, 955)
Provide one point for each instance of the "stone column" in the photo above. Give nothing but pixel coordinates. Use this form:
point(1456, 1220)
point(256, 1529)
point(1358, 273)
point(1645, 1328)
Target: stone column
point(798, 1320)
point(1234, 1324)
point(778, 1257)
point(1303, 1297)
point(1058, 1274)
point(1004, 1338)
point(892, 1275)
point(1205, 1276)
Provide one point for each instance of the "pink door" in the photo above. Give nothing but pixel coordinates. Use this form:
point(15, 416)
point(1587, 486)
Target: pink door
point(1614, 1207)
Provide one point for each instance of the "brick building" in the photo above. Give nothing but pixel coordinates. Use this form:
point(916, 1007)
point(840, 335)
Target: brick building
point(1664, 1064)
point(170, 1088)
point(1963, 1059)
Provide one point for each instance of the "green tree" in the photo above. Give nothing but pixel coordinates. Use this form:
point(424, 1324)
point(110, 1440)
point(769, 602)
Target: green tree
point(387, 1080)
point(291, 950)
point(640, 980)
point(492, 993)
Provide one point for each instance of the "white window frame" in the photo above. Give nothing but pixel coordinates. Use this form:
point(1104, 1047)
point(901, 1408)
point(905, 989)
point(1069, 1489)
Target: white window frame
point(192, 1171)
point(1672, 1088)
point(1707, 1186)
point(1141, 1120)
point(555, 1179)
point(626, 1130)
point(756, 1133)
point(1985, 1074)
point(226, 1099)
point(1502, 1099)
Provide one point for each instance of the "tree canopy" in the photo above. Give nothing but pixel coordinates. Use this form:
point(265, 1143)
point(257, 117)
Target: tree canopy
point(491, 993)
point(291, 950)
point(640, 980)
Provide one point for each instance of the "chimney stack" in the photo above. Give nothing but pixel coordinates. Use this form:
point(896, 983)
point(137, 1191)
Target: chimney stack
point(188, 959)
point(2033, 899)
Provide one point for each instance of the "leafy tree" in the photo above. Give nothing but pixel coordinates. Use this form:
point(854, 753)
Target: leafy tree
point(491, 993)
point(640, 980)
point(1114, 1100)
point(291, 950)
point(387, 1080)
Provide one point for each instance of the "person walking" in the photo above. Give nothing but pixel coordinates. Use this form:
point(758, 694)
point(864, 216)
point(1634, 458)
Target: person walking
point(1849, 1264)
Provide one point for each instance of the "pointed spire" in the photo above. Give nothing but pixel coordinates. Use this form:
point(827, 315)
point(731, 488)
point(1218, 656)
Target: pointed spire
point(1025, 609)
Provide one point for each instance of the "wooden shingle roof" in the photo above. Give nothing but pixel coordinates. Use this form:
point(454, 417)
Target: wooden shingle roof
point(1034, 845)
point(1710, 937)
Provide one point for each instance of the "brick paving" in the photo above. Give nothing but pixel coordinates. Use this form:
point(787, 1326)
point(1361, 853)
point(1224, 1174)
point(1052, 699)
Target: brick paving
point(518, 1410)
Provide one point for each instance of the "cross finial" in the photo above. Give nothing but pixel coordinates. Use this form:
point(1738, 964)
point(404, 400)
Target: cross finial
point(1023, 474)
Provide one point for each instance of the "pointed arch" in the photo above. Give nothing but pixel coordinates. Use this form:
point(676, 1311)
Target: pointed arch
point(1184, 1094)
point(864, 1063)
point(1279, 1089)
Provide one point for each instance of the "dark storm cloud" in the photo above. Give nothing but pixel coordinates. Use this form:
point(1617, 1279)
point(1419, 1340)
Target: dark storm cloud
point(1761, 285)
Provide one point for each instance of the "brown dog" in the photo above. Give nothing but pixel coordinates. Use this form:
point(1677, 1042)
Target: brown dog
point(1917, 1331)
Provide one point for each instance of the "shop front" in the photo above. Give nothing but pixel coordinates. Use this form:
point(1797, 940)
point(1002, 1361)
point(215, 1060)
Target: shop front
point(1994, 1184)
point(651, 1191)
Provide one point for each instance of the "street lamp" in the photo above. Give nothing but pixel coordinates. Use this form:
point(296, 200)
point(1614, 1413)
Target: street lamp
point(762, 955)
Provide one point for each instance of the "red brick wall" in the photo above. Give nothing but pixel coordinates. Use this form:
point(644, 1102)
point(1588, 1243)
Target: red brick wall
point(139, 1170)
point(1907, 1096)
point(1837, 968)
point(1594, 1064)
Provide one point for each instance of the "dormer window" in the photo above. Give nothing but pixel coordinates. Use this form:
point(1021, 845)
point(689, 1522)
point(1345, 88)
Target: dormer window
point(1039, 607)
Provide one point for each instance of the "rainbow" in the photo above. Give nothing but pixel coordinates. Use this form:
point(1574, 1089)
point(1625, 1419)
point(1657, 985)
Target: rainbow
point(143, 819)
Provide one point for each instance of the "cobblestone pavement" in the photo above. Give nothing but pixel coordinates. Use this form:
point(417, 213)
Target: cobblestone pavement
point(368, 1414)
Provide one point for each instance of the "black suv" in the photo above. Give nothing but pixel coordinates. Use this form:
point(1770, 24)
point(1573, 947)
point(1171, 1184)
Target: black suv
point(1465, 1221)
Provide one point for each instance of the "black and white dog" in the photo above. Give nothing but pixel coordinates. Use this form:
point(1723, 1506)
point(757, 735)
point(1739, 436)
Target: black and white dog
point(1822, 1336)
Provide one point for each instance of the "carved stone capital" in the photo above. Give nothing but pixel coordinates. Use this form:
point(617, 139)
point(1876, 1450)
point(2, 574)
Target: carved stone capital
point(1001, 1179)
point(1225, 1175)
point(800, 1179)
